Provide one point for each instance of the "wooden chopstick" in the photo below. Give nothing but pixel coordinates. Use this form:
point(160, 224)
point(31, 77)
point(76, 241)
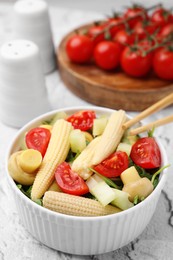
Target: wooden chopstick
point(152, 125)
point(168, 100)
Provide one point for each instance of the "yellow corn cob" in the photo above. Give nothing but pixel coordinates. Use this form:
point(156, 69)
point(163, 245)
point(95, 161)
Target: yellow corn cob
point(84, 160)
point(75, 205)
point(56, 153)
point(110, 137)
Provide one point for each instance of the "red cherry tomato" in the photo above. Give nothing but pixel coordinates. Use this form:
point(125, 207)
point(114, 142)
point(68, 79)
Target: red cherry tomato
point(146, 153)
point(113, 22)
point(69, 181)
point(134, 11)
point(144, 28)
point(82, 120)
point(166, 30)
point(162, 17)
point(107, 55)
point(96, 30)
point(114, 165)
point(38, 139)
point(134, 63)
point(124, 38)
point(79, 48)
point(163, 63)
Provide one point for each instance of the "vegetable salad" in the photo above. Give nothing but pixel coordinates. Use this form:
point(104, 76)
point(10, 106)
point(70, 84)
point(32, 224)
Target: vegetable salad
point(82, 159)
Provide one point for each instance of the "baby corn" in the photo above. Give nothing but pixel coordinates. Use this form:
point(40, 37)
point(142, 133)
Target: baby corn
point(75, 205)
point(84, 160)
point(110, 137)
point(56, 153)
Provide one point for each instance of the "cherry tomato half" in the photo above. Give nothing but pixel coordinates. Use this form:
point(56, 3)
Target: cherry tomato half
point(107, 55)
point(70, 182)
point(82, 120)
point(79, 48)
point(134, 63)
point(146, 153)
point(114, 165)
point(163, 63)
point(38, 139)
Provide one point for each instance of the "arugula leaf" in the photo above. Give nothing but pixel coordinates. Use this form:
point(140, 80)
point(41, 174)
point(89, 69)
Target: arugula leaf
point(25, 189)
point(137, 199)
point(72, 156)
point(39, 202)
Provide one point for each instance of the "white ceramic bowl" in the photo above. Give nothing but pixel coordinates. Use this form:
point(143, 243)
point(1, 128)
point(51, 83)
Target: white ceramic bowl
point(83, 235)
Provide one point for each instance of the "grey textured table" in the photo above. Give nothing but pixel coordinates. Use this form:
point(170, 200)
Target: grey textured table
point(155, 243)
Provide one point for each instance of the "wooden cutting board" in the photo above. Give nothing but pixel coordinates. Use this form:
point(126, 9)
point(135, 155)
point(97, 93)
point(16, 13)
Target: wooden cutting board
point(109, 89)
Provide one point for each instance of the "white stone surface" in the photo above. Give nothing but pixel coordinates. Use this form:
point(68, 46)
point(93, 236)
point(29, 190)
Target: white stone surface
point(155, 243)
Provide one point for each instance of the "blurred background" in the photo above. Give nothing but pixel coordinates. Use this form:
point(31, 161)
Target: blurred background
point(103, 6)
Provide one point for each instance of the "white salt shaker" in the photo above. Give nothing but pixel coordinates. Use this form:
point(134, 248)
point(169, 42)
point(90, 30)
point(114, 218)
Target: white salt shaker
point(23, 94)
point(31, 22)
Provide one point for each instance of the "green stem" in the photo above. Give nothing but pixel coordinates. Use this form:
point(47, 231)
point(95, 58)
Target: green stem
point(107, 180)
point(158, 172)
point(127, 19)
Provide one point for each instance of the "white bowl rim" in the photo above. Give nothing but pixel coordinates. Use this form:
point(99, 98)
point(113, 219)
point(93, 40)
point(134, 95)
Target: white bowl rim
point(56, 214)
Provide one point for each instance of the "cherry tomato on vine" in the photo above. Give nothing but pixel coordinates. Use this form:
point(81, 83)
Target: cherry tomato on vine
point(79, 48)
point(162, 17)
point(163, 63)
point(96, 33)
point(143, 29)
point(114, 165)
point(38, 139)
point(82, 120)
point(107, 55)
point(134, 11)
point(166, 30)
point(113, 22)
point(69, 181)
point(124, 38)
point(134, 63)
point(146, 153)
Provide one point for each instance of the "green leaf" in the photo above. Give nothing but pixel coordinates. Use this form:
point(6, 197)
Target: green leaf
point(39, 202)
point(136, 200)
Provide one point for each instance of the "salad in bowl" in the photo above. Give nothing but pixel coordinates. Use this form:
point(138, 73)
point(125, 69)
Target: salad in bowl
point(78, 168)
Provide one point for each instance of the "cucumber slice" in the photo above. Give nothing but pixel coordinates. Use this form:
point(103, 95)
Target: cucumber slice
point(59, 115)
point(129, 139)
point(124, 147)
point(100, 190)
point(99, 125)
point(77, 141)
point(121, 201)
